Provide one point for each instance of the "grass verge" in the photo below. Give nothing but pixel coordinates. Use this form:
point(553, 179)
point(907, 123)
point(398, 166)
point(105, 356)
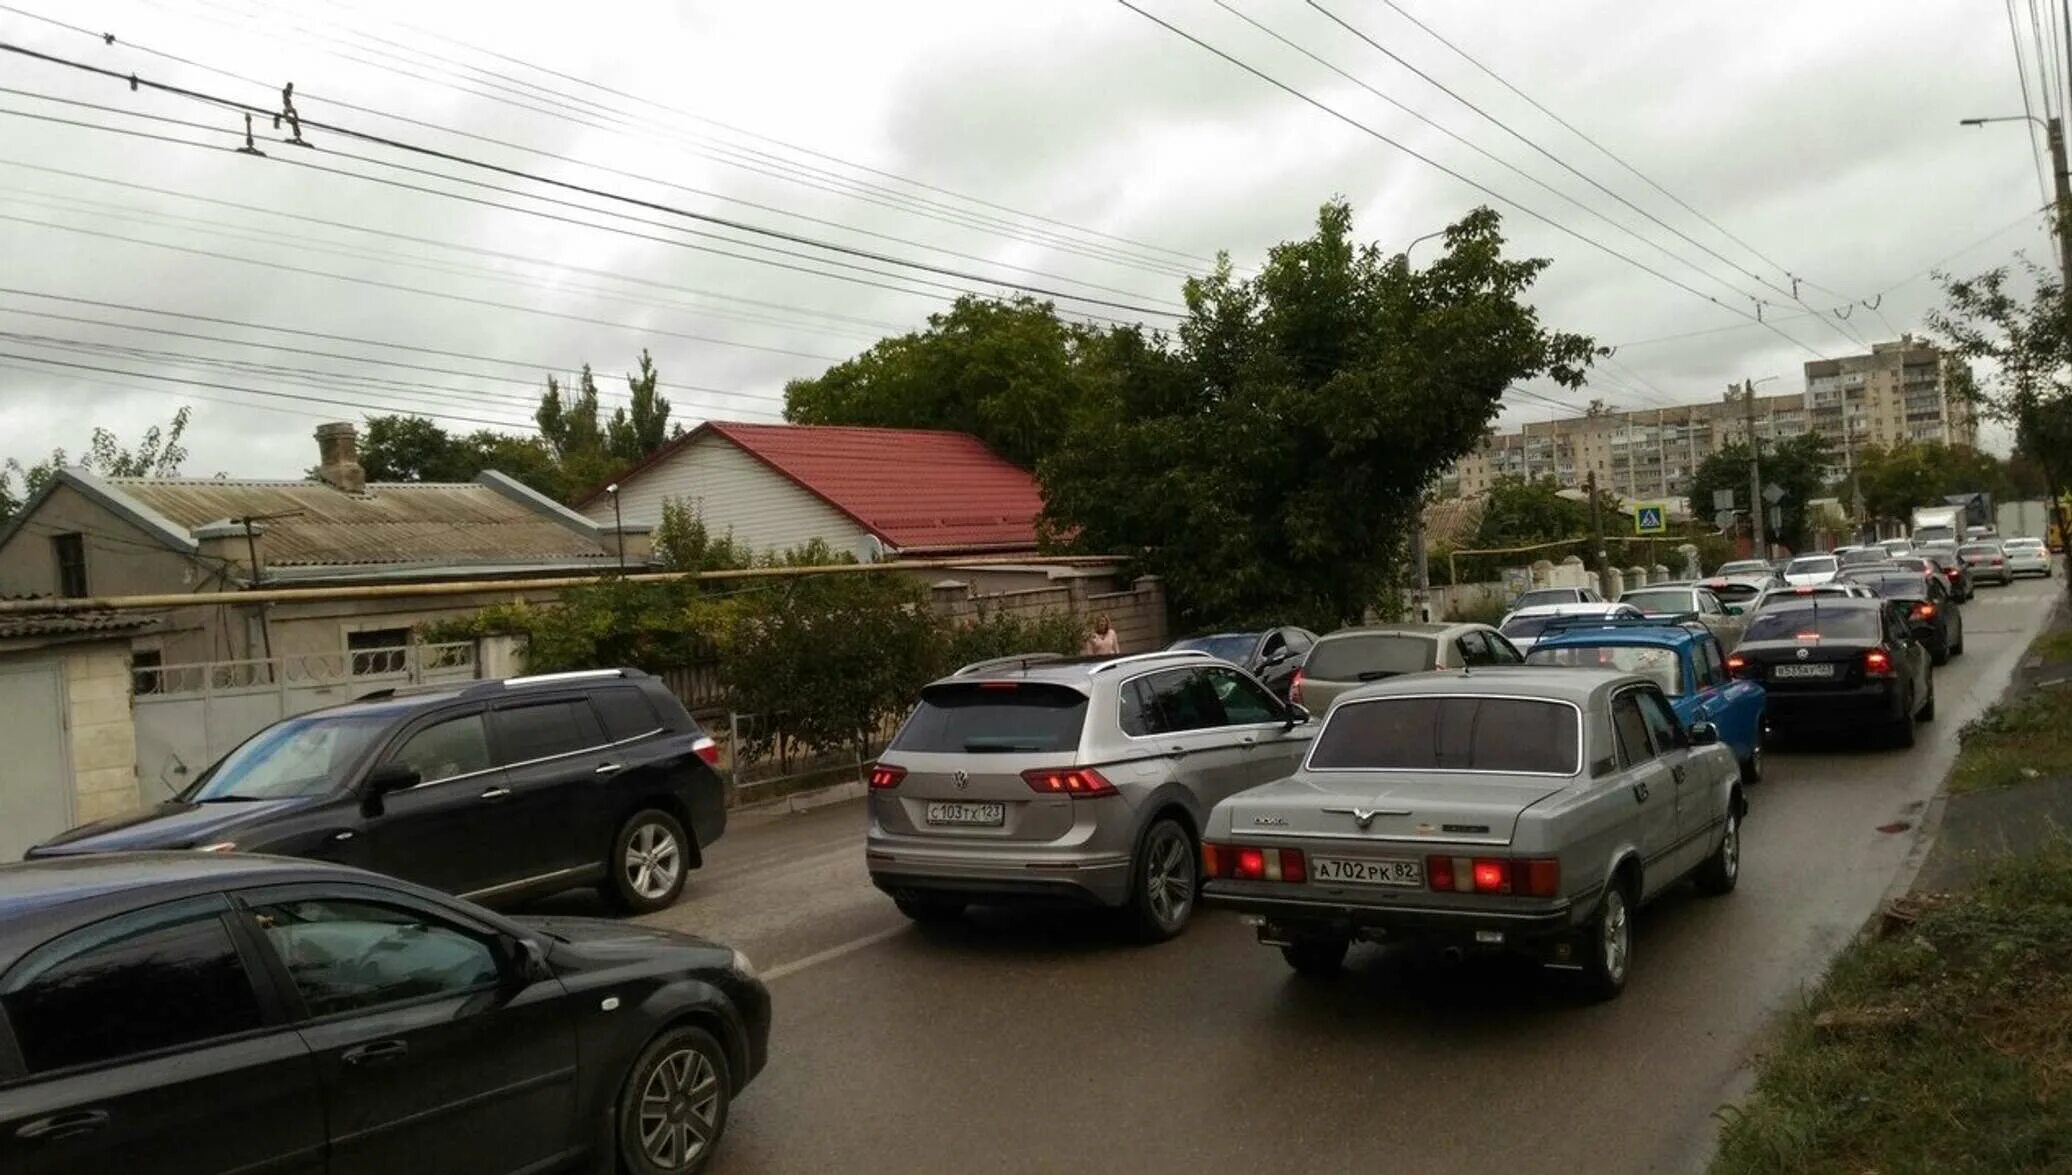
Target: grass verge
point(2026, 736)
point(1944, 1046)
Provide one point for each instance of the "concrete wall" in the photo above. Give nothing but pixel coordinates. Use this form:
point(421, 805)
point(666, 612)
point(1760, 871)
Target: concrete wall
point(731, 491)
point(1139, 615)
point(102, 736)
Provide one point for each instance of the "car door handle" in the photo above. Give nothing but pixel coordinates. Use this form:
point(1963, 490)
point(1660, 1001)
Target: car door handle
point(1640, 791)
point(380, 1052)
point(1249, 741)
point(1677, 773)
point(1177, 752)
point(608, 768)
point(497, 793)
point(59, 1126)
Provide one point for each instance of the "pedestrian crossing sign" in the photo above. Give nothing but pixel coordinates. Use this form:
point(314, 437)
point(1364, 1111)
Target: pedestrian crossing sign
point(1651, 518)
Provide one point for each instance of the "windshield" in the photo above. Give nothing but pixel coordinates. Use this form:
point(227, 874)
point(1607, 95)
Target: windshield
point(1548, 596)
point(1934, 534)
point(1654, 661)
point(1866, 555)
point(1814, 565)
point(299, 757)
point(997, 717)
point(1449, 734)
point(1898, 587)
point(1806, 621)
point(1744, 567)
point(1370, 656)
point(1662, 603)
point(1235, 648)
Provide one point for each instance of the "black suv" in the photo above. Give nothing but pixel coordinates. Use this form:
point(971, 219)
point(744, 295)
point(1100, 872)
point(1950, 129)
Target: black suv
point(494, 790)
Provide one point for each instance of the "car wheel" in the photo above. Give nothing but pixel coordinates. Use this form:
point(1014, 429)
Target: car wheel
point(1752, 767)
point(1720, 871)
point(674, 1106)
point(648, 862)
point(1608, 945)
point(1162, 900)
point(1316, 957)
point(1903, 729)
point(1957, 645)
point(1927, 713)
point(1939, 652)
point(930, 909)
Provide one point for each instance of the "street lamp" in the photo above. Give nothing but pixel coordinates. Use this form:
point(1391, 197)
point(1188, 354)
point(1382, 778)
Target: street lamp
point(2054, 134)
point(1404, 256)
point(618, 524)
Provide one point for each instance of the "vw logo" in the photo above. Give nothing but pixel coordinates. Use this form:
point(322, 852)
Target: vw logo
point(1803, 654)
point(963, 779)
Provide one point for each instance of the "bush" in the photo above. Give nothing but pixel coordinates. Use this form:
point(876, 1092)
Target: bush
point(1004, 634)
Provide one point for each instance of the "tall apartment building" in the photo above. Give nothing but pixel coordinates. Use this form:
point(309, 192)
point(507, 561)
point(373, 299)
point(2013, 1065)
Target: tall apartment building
point(1899, 392)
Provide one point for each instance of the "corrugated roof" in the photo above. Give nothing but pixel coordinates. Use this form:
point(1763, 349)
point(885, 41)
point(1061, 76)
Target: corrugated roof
point(913, 488)
point(1452, 522)
point(18, 625)
point(393, 522)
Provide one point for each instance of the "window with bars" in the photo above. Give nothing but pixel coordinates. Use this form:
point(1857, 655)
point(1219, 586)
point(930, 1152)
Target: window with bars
point(378, 650)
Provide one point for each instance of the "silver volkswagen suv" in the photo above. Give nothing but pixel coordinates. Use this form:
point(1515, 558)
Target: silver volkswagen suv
point(1081, 779)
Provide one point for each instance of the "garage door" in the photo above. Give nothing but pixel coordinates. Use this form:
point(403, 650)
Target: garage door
point(35, 779)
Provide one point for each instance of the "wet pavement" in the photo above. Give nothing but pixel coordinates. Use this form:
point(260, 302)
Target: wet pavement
point(1037, 1043)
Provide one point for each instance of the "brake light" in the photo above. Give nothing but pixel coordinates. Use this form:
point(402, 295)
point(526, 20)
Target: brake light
point(1877, 663)
point(998, 686)
point(1924, 611)
point(1295, 688)
point(1737, 664)
point(884, 775)
point(707, 750)
point(1538, 877)
point(1084, 782)
point(1243, 863)
point(1803, 591)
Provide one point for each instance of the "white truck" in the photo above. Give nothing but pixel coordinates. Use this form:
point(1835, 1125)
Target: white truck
point(1938, 524)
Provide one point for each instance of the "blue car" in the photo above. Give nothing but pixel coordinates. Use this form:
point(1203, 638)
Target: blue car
point(1685, 658)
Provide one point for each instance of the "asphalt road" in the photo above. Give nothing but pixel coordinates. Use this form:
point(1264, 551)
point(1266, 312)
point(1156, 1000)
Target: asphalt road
point(1026, 1042)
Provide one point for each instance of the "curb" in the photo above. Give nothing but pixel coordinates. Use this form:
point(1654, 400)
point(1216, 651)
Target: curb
point(804, 801)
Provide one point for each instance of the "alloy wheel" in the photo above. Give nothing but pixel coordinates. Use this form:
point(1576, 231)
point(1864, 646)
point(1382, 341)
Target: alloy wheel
point(1169, 876)
point(1616, 943)
point(1730, 847)
point(679, 1109)
point(653, 860)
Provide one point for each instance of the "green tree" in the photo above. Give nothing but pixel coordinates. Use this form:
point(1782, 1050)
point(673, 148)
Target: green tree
point(1893, 482)
point(1797, 465)
point(158, 453)
point(634, 433)
point(1267, 460)
point(1010, 373)
point(1519, 513)
point(412, 448)
point(682, 542)
point(2017, 322)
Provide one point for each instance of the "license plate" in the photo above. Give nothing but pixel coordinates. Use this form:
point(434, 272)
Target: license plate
point(972, 815)
point(1393, 871)
point(1814, 669)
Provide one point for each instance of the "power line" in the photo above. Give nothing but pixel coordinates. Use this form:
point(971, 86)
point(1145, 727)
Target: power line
point(642, 128)
point(1435, 164)
point(2021, 72)
point(599, 193)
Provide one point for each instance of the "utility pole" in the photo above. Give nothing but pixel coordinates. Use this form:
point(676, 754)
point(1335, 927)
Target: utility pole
point(2055, 132)
point(1755, 472)
point(252, 551)
point(1597, 532)
point(1419, 564)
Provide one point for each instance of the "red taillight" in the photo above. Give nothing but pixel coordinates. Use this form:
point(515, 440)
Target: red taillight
point(1295, 688)
point(707, 750)
point(1924, 611)
point(1084, 782)
point(1877, 663)
point(1538, 877)
point(1737, 664)
point(1997, 560)
point(885, 775)
point(1241, 863)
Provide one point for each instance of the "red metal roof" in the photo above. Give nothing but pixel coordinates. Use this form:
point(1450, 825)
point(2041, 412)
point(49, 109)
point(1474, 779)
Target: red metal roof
point(913, 488)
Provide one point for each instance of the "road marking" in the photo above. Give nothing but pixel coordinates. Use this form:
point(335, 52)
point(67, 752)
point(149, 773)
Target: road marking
point(832, 953)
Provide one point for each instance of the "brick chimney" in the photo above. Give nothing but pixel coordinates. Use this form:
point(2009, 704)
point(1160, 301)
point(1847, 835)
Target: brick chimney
point(338, 457)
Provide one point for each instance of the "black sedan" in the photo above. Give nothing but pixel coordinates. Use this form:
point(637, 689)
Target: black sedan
point(1272, 656)
point(1944, 560)
point(1838, 663)
point(203, 1012)
point(1932, 611)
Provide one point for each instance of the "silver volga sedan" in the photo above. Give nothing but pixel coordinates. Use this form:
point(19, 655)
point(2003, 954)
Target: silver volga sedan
point(1521, 810)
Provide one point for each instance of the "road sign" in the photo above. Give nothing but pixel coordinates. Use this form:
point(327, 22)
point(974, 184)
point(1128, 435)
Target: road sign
point(1725, 519)
point(1650, 517)
point(1773, 493)
point(1776, 519)
point(1722, 499)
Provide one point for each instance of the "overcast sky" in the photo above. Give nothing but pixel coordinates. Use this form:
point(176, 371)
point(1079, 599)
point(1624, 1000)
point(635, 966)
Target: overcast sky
point(1072, 138)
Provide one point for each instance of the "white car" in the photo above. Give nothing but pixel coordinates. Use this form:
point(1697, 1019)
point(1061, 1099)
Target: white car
point(1524, 626)
point(1811, 570)
point(2027, 557)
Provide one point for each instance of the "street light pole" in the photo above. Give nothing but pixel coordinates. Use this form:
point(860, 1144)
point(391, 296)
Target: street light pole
point(618, 524)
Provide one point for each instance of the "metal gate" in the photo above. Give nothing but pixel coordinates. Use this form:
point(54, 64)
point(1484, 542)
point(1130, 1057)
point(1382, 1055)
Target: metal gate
point(36, 774)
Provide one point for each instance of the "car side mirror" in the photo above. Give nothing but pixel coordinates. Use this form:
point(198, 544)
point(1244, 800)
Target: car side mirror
point(525, 962)
point(1274, 658)
point(1297, 714)
point(1703, 734)
point(389, 777)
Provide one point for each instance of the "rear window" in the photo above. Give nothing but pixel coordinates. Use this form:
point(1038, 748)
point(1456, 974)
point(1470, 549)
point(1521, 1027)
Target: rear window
point(1979, 549)
point(1867, 555)
point(1449, 734)
point(1658, 663)
point(994, 717)
point(1734, 593)
point(1235, 649)
point(1898, 587)
point(1834, 622)
point(1370, 656)
point(2031, 544)
point(1526, 627)
point(1549, 596)
point(1744, 567)
point(1661, 603)
point(1810, 566)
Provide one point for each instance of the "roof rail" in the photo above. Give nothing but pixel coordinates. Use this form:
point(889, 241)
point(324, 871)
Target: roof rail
point(571, 675)
point(1160, 655)
point(1017, 661)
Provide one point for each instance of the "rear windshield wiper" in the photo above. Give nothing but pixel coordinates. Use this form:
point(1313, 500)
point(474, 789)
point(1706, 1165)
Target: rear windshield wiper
point(1377, 674)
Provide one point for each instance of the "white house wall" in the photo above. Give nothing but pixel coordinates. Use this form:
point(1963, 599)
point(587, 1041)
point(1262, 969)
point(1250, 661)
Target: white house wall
point(731, 490)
